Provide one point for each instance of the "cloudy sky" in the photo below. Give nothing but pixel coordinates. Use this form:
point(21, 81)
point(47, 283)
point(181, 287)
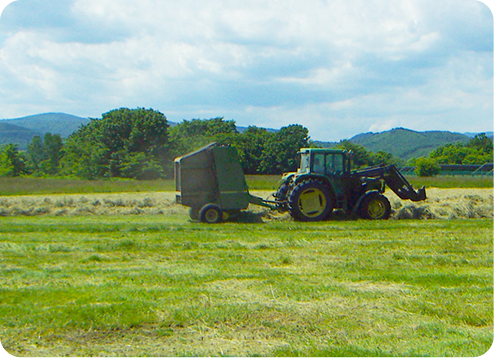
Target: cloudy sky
point(338, 67)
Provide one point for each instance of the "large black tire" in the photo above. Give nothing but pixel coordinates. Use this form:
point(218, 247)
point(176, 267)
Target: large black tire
point(310, 201)
point(211, 214)
point(375, 206)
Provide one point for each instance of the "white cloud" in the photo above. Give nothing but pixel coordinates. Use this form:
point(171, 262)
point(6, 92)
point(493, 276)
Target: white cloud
point(339, 67)
point(383, 126)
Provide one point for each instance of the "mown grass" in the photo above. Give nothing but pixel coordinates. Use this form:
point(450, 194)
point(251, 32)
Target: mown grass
point(163, 286)
point(37, 186)
point(452, 181)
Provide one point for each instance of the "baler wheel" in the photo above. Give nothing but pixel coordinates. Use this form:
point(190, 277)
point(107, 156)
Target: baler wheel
point(211, 214)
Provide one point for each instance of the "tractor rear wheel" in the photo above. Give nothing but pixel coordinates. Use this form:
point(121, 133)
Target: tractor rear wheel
point(211, 214)
point(375, 206)
point(310, 201)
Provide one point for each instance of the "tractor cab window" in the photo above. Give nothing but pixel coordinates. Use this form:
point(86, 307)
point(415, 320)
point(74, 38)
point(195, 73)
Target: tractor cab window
point(304, 163)
point(318, 166)
point(334, 164)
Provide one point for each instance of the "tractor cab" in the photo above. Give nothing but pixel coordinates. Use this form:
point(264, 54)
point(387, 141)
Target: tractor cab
point(327, 162)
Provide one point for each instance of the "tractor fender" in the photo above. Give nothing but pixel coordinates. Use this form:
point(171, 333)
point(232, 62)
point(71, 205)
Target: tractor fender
point(362, 197)
point(286, 178)
point(322, 178)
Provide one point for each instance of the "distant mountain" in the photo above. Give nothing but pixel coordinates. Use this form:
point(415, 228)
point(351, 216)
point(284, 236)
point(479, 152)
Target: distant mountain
point(471, 135)
point(11, 133)
point(400, 142)
point(322, 144)
point(22, 130)
point(54, 123)
point(405, 143)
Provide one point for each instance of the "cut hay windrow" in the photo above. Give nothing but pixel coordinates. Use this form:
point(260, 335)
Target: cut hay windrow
point(446, 204)
point(156, 203)
point(441, 204)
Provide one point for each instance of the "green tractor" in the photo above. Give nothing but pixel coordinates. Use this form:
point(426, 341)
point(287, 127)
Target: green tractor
point(325, 182)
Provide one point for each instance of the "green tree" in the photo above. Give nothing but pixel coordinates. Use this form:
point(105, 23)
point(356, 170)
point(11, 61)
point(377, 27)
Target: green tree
point(188, 136)
point(12, 163)
point(253, 148)
point(481, 143)
point(280, 152)
point(385, 158)
point(426, 167)
point(130, 143)
point(361, 157)
point(477, 151)
point(35, 153)
point(450, 154)
point(44, 155)
point(52, 146)
point(205, 127)
point(250, 146)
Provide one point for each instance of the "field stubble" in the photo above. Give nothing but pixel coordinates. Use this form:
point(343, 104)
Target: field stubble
point(128, 274)
point(440, 204)
point(162, 286)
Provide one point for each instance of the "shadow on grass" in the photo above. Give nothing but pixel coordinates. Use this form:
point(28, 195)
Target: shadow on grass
point(347, 352)
point(249, 217)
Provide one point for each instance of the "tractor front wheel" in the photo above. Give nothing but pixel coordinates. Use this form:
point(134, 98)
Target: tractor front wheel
point(375, 206)
point(310, 201)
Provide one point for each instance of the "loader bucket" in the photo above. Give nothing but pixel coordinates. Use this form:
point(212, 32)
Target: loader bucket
point(397, 182)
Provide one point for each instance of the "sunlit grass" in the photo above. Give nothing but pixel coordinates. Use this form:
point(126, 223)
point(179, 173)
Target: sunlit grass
point(164, 286)
point(453, 181)
point(37, 186)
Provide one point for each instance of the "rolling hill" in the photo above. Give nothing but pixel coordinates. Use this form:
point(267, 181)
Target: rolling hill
point(401, 142)
point(22, 130)
point(405, 143)
point(11, 133)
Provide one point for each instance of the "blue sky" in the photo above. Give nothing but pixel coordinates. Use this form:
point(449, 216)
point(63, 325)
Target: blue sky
point(338, 67)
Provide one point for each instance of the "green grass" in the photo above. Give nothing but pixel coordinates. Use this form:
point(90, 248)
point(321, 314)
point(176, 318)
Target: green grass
point(452, 181)
point(37, 186)
point(163, 286)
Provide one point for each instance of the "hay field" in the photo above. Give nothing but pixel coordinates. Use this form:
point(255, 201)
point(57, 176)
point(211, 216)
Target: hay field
point(150, 203)
point(157, 285)
point(445, 204)
point(440, 204)
point(130, 275)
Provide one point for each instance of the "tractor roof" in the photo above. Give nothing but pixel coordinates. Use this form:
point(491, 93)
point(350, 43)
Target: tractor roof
point(322, 150)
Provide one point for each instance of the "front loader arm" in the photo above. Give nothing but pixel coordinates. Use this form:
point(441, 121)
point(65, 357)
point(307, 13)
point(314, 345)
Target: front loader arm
point(396, 182)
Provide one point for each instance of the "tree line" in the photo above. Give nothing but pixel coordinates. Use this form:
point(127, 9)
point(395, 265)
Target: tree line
point(141, 144)
point(477, 151)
